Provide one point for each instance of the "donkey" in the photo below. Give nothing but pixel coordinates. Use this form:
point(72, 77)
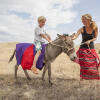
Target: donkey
point(63, 43)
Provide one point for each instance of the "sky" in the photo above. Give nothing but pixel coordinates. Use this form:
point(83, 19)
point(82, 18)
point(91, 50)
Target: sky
point(18, 18)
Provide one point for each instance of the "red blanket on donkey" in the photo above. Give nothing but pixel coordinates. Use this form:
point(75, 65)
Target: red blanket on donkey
point(25, 53)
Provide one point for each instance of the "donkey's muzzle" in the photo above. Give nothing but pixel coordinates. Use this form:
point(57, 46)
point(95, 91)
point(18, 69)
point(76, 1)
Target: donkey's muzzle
point(73, 57)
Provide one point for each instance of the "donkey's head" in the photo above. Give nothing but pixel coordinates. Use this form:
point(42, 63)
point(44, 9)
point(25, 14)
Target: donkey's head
point(68, 46)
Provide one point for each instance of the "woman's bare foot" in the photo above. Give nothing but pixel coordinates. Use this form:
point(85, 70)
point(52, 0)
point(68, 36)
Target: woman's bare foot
point(34, 70)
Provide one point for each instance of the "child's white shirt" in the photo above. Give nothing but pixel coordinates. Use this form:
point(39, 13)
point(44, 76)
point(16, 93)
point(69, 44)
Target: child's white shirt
point(39, 30)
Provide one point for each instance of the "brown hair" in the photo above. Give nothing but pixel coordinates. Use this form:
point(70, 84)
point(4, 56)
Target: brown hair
point(93, 24)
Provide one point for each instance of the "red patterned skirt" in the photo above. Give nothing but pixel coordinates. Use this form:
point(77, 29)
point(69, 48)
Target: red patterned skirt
point(89, 63)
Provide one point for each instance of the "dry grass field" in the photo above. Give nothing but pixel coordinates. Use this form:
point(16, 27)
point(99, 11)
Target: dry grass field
point(65, 76)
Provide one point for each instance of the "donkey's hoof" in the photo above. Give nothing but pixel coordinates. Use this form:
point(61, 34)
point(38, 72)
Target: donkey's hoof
point(29, 78)
point(42, 79)
point(50, 83)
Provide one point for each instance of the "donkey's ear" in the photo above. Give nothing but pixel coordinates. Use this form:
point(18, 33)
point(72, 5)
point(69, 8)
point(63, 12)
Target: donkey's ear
point(61, 36)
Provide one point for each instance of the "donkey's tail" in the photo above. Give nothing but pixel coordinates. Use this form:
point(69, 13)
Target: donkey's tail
point(11, 58)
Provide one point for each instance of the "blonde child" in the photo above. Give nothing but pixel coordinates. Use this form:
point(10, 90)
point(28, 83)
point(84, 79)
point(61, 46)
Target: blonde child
point(40, 35)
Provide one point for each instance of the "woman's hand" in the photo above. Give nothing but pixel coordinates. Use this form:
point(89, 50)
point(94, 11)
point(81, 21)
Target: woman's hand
point(73, 37)
point(88, 42)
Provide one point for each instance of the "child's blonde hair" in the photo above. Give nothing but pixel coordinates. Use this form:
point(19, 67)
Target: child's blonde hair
point(93, 24)
point(41, 18)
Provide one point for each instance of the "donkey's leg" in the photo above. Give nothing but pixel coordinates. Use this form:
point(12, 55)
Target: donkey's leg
point(44, 71)
point(49, 73)
point(16, 69)
point(26, 73)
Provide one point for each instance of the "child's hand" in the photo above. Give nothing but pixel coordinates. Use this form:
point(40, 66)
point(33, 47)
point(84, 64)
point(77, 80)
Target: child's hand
point(49, 41)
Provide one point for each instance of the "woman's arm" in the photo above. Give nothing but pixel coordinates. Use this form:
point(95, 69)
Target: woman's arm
point(95, 37)
point(77, 34)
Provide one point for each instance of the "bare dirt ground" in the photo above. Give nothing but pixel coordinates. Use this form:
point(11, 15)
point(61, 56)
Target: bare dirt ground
point(65, 76)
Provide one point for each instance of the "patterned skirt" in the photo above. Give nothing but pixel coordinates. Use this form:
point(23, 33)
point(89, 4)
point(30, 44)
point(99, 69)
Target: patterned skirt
point(89, 63)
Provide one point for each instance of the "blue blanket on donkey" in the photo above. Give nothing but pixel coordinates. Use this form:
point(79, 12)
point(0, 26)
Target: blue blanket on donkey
point(25, 53)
